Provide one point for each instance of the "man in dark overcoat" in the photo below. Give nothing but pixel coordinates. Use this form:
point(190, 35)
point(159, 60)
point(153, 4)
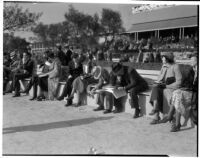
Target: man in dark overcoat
point(131, 82)
point(25, 71)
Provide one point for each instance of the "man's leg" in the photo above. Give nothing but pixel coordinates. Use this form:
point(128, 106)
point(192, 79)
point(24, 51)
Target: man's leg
point(134, 98)
point(68, 90)
point(100, 101)
point(109, 102)
point(16, 83)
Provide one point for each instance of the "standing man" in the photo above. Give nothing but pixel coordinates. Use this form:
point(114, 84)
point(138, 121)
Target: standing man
point(68, 54)
point(61, 54)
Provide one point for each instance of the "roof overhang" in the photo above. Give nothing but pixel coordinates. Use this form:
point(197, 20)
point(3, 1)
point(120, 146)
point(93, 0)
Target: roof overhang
point(164, 24)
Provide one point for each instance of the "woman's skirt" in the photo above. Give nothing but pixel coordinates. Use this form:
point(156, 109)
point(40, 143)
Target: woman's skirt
point(182, 101)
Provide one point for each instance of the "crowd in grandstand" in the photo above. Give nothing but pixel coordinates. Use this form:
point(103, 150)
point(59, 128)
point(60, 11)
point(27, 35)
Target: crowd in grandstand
point(82, 74)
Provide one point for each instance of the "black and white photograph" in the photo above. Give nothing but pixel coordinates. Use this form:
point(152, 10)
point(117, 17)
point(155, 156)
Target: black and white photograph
point(101, 78)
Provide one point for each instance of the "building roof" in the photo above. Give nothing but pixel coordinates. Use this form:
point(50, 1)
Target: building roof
point(172, 12)
point(164, 24)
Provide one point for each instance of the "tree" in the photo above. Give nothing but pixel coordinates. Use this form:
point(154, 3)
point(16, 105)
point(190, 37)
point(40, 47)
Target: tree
point(111, 22)
point(83, 28)
point(15, 18)
point(11, 43)
point(41, 31)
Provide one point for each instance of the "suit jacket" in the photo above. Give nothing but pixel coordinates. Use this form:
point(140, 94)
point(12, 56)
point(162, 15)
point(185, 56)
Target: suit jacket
point(130, 79)
point(68, 58)
point(61, 56)
point(28, 66)
point(75, 72)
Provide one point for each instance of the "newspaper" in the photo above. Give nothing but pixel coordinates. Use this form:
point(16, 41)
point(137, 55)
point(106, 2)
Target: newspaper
point(116, 92)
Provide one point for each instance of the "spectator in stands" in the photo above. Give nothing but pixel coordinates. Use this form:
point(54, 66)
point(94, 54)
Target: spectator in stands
point(128, 79)
point(68, 54)
point(100, 55)
point(184, 100)
point(25, 71)
point(157, 56)
point(75, 70)
point(61, 54)
point(169, 79)
point(102, 75)
point(34, 79)
point(140, 56)
point(146, 57)
point(151, 57)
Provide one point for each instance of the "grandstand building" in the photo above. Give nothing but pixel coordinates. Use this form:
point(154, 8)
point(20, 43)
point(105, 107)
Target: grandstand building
point(180, 21)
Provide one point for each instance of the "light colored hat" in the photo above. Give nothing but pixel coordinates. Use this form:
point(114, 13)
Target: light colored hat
point(96, 72)
point(13, 54)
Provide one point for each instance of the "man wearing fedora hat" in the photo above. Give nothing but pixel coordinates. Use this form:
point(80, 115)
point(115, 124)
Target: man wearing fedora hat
point(60, 54)
point(127, 78)
point(103, 77)
point(26, 70)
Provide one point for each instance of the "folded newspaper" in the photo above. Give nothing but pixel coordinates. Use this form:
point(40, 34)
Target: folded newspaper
point(116, 92)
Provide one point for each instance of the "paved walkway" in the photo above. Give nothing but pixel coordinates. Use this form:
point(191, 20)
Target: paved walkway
point(31, 127)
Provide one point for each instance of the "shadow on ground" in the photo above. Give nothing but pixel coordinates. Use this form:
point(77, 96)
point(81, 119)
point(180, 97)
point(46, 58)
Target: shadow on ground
point(53, 125)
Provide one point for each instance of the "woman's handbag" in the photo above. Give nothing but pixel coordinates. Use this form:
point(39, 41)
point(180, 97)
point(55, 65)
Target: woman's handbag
point(170, 80)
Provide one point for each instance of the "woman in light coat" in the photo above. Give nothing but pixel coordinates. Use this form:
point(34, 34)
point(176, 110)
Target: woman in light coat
point(169, 80)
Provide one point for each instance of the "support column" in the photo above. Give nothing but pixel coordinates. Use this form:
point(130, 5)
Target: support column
point(180, 34)
point(158, 33)
point(183, 33)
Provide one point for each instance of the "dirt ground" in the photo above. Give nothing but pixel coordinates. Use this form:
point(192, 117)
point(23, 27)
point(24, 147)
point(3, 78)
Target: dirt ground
point(32, 127)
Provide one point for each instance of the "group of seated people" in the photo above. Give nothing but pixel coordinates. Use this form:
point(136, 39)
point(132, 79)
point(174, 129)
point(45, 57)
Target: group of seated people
point(90, 78)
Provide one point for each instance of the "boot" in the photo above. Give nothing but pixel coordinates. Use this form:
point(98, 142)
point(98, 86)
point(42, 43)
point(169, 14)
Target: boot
point(34, 92)
point(69, 102)
point(137, 113)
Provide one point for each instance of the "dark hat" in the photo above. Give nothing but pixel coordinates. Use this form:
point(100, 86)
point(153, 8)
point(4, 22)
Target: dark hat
point(74, 55)
point(168, 55)
point(118, 69)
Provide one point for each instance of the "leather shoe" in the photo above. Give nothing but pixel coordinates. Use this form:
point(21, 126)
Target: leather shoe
point(78, 104)
point(165, 120)
point(16, 95)
point(99, 108)
point(69, 103)
point(32, 98)
point(153, 112)
point(60, 98)
point(137, 113)
point(116, 111)
point(175, 128)
point(155, 121)
point(107, 111)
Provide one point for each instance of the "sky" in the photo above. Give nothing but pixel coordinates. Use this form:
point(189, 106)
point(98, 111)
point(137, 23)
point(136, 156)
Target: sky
point(54, 12)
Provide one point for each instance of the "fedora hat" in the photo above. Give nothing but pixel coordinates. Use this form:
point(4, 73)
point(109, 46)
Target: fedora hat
point(118, 69)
